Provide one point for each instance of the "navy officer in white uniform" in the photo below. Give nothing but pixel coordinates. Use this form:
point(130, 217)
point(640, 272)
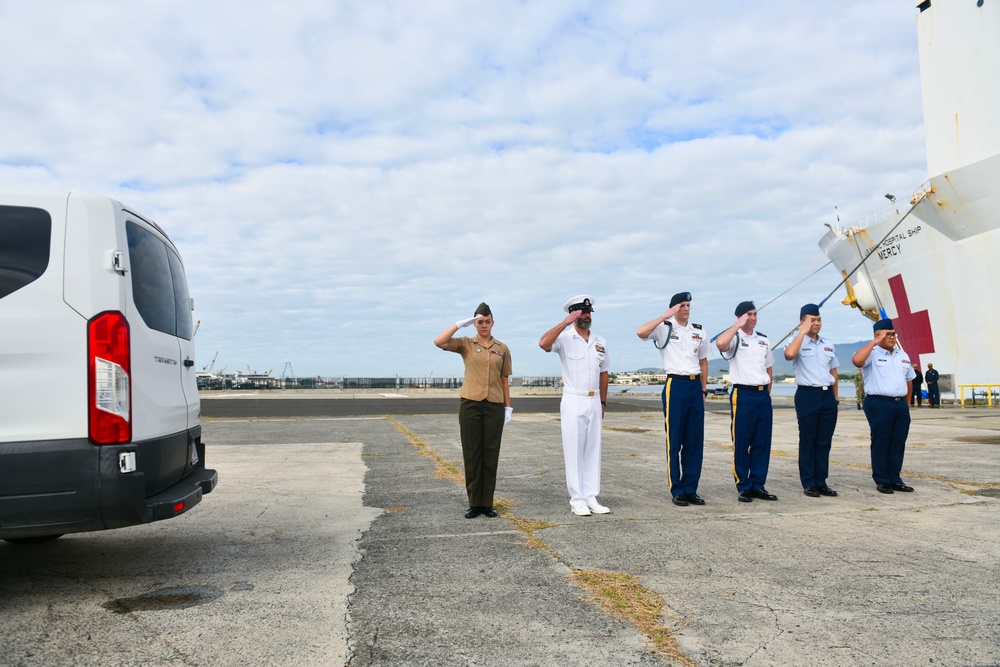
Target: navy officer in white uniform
point(585, 363)
point(750, 360)
point(814, 361)
point(888, 376)
point(683, 348)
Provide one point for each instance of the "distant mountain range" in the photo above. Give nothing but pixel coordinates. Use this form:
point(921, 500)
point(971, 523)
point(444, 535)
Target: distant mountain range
point(717, 366)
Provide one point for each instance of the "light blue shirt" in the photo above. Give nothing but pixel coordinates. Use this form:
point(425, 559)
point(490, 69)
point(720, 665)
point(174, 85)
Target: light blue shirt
point(814, 362)
point(886, 373)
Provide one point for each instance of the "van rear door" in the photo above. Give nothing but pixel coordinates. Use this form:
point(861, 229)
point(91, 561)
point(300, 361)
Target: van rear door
point(157, 328)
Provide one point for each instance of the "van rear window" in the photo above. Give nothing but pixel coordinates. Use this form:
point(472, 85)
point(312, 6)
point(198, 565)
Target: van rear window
point(159, 287)
point(25, 234)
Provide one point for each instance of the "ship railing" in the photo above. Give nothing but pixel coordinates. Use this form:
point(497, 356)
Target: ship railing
point(891, 211)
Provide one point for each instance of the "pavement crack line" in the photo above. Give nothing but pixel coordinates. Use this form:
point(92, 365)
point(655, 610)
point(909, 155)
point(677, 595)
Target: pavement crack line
point(618, 594)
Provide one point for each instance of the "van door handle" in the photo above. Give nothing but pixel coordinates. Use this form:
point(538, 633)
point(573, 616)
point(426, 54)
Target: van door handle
point(188, 363)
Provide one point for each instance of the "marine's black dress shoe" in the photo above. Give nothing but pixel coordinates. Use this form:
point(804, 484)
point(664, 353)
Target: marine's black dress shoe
point(763, 494)
point(901, 487)
point(472, 513)
point(826, 491)
point(811, 491)
point(745, 497)
point(884, 488)
point(680, 501)
point(489, 512)
point(694, 499)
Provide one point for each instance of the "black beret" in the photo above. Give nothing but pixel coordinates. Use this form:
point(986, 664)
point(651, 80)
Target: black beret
point(680, 297)
point(744, 307)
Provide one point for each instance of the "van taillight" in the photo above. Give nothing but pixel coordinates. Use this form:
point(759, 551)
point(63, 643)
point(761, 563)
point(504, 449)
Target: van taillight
point(108, 368)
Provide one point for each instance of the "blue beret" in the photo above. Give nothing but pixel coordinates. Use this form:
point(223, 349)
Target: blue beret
point(809, 309)
point(680, 297)
point(744, 307)
point(883, 324)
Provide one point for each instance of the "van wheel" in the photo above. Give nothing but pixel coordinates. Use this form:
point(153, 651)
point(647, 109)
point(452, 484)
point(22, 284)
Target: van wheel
point(36, 539)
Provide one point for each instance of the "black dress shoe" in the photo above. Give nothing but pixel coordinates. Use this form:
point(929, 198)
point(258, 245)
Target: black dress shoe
point(489, 512)
point(680, 501)
point(901, 487)
point(745, 497)
point(473, 512)
point(884, 488)
point(826, 491)
point(811, 491)
point(694, 499)
point(763, 494)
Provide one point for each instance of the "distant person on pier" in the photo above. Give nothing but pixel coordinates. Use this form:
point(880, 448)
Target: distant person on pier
point(484, 406)
point(887, 372)
point(917, 398)
point(933, 393)
point(585, 362)
point(683, 348)
point(859, 389)
point(750, 372)
point(814, 361)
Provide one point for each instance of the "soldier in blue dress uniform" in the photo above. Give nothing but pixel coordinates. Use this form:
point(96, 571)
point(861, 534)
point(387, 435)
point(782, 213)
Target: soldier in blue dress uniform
point(814, 360)
point(683, 348)
point(750, 362)
point(887, 374)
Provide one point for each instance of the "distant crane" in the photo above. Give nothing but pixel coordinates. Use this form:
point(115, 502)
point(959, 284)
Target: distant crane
point(208, 369)
point(287, 373)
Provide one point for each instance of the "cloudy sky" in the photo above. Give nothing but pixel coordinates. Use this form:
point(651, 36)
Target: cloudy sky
point(346, 179)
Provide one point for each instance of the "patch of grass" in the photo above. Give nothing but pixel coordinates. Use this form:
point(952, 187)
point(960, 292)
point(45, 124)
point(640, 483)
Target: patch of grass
point(622, 595)
point(393, 510)
point(442, 468)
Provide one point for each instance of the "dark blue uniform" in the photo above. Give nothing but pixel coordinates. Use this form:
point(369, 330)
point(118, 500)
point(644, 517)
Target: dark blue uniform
point(933, 393)
point(684, 422)
point(752, 418)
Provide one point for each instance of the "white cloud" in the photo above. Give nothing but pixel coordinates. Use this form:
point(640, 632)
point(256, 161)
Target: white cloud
point(346, 179)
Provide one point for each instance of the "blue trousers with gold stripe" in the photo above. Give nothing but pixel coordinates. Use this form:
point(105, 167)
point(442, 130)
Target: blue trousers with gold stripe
point(684, 423)
point(751, 415)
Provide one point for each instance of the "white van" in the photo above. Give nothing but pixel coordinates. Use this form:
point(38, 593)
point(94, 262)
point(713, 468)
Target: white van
point(99, 408)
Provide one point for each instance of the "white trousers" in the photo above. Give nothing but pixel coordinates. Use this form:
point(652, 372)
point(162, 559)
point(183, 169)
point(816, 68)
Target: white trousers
point(580, 418)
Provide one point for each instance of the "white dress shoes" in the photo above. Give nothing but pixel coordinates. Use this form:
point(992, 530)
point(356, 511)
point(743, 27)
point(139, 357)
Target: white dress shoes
point(597, 508)
point(580, 510)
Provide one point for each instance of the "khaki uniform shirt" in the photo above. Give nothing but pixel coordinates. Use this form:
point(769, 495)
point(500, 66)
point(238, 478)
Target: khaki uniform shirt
point(484, 366)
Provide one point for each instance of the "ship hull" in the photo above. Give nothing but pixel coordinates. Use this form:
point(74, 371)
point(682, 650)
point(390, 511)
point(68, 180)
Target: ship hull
point(932, 264)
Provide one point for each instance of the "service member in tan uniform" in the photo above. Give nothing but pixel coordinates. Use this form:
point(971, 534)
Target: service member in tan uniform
point(485, 405)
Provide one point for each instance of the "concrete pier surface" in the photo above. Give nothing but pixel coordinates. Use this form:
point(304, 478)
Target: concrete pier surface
point(341, 540)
